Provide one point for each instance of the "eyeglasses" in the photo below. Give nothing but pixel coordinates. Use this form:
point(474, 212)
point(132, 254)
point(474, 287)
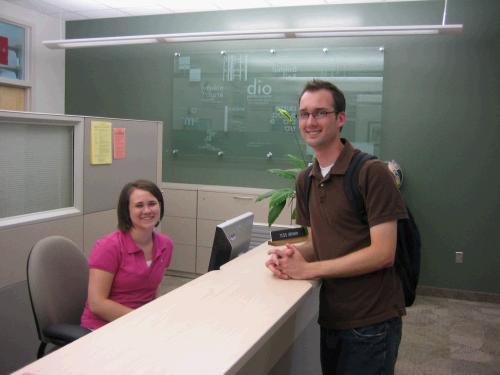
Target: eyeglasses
point(304, 116)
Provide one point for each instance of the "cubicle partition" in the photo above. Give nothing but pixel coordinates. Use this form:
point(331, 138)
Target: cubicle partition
point(38, 143)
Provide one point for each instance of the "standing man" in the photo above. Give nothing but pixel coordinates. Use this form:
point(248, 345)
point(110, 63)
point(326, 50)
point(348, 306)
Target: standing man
point(361, 298)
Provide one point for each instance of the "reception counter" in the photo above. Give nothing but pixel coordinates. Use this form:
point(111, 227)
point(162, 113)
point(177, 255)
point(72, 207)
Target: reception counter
point(238, 320)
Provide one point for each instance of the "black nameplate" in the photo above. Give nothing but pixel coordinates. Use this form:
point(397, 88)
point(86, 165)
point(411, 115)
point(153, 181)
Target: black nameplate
point(285, 234)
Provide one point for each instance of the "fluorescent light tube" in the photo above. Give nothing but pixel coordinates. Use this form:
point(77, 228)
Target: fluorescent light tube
point(103, 43)
point(178, 39)
point(364, 33)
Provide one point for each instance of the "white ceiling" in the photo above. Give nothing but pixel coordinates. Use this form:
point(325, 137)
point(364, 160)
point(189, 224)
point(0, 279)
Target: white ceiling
point(89, 9)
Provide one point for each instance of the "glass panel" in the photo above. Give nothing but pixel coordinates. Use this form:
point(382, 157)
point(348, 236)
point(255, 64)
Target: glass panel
point(225, 129)
point(12, 51)
point(36, 168)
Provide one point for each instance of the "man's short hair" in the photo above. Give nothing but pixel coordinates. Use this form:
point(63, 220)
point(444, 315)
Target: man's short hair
point(337, 94)
point(123, 210)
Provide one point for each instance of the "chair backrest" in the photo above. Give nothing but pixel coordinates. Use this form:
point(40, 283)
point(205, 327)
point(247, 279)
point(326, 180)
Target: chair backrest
point(57, 276)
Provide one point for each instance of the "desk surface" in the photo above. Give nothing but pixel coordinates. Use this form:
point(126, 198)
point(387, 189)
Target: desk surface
point(211, 325)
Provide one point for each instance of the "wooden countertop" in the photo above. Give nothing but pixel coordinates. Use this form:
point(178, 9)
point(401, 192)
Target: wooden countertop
point(211, 325)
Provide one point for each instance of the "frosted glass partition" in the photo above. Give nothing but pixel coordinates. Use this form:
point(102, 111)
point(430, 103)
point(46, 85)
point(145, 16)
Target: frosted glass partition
point(225, 129)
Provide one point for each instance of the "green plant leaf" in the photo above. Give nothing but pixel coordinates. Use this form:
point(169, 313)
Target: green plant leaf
point(285, 114)
point(290, 174)
point(264, 195)
point(281, 195)
point(297, 162)
point(274, 212)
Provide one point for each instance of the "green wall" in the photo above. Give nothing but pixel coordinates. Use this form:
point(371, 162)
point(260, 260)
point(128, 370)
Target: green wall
point(440, 112)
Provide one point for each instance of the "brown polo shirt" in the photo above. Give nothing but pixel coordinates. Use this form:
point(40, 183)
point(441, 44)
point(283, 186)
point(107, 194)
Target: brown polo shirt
point(337, 230)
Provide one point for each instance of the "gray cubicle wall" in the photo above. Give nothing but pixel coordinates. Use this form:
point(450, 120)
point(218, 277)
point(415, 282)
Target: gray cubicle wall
point(102, 183)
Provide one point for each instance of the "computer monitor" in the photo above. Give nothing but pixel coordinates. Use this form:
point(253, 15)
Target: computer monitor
point(231, 239)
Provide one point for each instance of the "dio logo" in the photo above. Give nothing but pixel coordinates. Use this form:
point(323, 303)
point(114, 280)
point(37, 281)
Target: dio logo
point(257, 88)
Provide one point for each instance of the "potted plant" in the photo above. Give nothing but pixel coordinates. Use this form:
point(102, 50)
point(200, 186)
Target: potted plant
point(278, 198)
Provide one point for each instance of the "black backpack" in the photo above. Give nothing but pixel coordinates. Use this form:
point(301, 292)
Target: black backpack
point(407, 261)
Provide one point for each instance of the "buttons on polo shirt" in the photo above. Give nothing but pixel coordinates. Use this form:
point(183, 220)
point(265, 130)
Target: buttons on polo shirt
point(322, 194)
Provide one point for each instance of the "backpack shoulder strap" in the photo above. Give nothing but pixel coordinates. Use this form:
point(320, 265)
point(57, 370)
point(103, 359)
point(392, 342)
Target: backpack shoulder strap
point(307, 188)
point(351, 184)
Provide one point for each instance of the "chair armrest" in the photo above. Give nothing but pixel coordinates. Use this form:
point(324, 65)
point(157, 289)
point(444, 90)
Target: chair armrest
point(62, 334)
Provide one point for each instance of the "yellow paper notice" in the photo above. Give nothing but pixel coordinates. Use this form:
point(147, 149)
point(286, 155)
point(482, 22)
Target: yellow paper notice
point(100, 142)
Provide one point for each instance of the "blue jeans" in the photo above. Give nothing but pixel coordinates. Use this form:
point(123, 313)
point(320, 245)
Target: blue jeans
point(361, 351)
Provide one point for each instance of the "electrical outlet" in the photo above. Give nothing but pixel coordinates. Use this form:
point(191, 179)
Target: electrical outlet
point(459, 257)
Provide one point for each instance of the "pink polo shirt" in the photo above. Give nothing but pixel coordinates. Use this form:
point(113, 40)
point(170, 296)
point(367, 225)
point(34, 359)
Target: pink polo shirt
point(134, 283)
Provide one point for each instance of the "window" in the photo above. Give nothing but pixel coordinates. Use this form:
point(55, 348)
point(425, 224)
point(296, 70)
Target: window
point(40, 167)
point(14, 72)
point(13, 51)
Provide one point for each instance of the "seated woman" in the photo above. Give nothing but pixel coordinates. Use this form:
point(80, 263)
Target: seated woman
point(127, 266)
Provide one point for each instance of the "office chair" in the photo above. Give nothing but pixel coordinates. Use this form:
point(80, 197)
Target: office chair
point(57, 275)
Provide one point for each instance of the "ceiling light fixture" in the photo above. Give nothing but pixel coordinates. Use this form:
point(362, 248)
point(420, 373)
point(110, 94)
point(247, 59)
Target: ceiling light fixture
point(319, 32)
point(259, 34)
